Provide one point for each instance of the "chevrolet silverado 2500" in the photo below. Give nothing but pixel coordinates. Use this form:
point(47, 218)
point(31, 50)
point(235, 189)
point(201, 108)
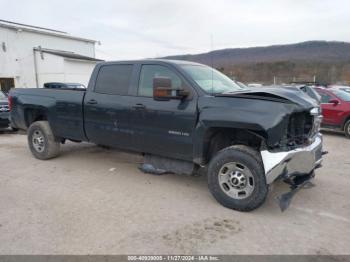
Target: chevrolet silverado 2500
point(182, 114)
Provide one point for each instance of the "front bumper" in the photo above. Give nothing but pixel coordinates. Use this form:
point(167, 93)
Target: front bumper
point(292, 163)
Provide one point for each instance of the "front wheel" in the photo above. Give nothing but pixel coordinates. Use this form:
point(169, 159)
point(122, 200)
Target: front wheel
point(236, 178)
point(347, 129)
point(41, 141)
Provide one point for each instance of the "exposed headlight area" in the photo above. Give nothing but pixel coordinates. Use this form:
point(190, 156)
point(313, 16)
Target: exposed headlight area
point(299, 129)
point(302, 129)
point(317, 115)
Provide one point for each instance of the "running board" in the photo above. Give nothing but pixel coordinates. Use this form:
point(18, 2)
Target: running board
point(161, 165)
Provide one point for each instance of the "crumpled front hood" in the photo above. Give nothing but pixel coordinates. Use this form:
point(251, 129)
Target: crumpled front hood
point(264, 111)
point(275, 94)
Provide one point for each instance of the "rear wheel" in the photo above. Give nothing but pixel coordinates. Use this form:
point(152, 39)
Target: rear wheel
point(347, 129)
point(41, 141)
point(236, 178)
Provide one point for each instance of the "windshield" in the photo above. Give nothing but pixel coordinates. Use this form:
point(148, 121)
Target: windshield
point(2, 95)
point(345, 96)
point(211, 80)
point(346, 89)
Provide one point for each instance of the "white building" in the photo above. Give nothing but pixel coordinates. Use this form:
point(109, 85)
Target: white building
point(31, 56)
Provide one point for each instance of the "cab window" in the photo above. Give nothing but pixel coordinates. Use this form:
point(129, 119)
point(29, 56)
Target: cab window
point(148, 72)
point(114, 79)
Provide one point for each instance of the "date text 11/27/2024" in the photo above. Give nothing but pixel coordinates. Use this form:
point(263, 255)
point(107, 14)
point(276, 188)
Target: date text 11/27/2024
point(173, 258)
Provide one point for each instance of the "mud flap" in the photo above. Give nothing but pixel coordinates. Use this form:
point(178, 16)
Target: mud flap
point(296, 183)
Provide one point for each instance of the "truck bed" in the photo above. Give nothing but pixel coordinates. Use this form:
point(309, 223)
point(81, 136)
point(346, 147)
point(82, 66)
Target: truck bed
point(62, 107)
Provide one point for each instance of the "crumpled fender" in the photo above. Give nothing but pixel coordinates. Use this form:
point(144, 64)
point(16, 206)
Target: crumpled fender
point(267, 118)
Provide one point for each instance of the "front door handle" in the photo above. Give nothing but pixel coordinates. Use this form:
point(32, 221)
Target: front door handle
point(139, 107)
point(92, 102)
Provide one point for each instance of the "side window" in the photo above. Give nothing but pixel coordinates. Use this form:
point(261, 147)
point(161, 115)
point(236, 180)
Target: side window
point(324, 98)
point(114, 79)
point(148, 72)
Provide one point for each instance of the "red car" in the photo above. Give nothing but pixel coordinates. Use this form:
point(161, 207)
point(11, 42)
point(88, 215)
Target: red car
point(335, 104)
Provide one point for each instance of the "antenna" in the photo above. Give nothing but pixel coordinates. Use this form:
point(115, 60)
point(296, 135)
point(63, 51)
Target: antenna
point(212, 63)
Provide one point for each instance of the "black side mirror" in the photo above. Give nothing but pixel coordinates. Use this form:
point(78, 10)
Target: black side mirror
point(163, 91)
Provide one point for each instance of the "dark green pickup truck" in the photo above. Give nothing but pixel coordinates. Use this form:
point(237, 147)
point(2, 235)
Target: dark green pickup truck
point(186, 117)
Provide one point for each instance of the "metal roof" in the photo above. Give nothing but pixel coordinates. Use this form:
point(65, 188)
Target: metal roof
point(67, 54)
point(41, 30)
point(150, 60)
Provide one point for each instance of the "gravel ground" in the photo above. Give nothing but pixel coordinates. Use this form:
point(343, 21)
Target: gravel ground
point(92, 200)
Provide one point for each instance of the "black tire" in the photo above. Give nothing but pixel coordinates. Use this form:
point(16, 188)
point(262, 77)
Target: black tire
point(347, 129)
point(50, 147)
point(250, 159)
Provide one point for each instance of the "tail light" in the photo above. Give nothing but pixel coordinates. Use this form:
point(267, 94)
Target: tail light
point(9, 98)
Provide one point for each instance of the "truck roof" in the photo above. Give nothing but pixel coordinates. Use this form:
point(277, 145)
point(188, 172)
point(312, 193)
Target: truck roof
point(167, 61)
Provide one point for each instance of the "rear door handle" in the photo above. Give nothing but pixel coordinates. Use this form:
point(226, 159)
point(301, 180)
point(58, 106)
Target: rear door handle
point(92, 102)
point(139, 107)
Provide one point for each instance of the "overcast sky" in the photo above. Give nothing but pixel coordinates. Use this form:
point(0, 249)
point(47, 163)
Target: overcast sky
point(131, 29)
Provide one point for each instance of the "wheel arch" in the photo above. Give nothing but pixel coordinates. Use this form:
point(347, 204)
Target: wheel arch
point(215, 139)
point(32, 115)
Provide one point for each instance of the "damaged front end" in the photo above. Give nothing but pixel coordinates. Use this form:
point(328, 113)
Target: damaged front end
point(295, 167)
point(299, 154)
point(293, 143)
point(300, 149)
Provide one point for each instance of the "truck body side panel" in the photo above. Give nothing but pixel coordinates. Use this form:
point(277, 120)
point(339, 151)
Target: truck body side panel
point(62, 108)
point(107, 120)
point(164, 128)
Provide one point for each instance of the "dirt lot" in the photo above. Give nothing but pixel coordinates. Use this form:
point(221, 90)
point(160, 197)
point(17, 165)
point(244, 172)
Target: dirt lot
point(96, 201)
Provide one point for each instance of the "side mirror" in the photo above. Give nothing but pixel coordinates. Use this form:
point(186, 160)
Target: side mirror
point(163, 91)
point(334, 102)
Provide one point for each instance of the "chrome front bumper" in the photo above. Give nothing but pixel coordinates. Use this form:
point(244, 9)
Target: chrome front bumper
point(299, 161)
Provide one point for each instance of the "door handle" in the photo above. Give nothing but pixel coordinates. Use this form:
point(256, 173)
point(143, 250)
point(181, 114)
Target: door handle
point(139, 107)
point(92, 102)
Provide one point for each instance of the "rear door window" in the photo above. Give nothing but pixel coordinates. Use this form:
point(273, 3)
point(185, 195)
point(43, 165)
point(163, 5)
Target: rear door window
point(114, 79)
